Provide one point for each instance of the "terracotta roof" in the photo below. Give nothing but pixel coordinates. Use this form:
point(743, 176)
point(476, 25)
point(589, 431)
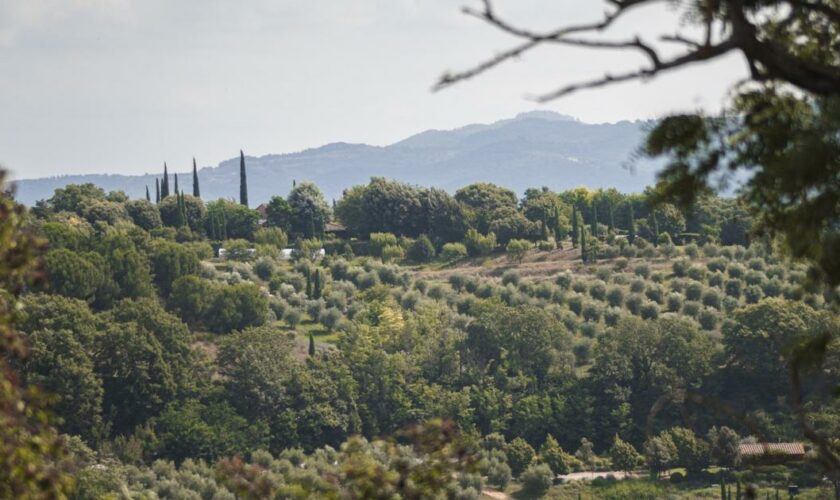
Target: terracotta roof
point(262, 208)
point(772, 448)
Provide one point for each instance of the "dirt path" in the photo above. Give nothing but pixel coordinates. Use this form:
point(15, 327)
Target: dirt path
point(583, 476)
point(495, 495)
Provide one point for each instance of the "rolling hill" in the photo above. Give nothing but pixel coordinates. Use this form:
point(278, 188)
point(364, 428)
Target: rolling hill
point(533, 149)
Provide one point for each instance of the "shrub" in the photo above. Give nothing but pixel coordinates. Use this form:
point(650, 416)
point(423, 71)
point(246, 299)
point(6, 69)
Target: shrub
point(293, 317)
point(734, 287)
point(736, 271)
point(392, 253)
point(711, 298)
point(716, 279)
point(545, 245)
point(615, 296)
point(516, 249)
point(642, 270)
point(637, 286)
point(655, 293)
point(634, 303)
point(536, 480)
point(691, 250)
point(575, 303)
point(478, 244)
point(674, 302)
point(621, 264)
point(697, 272)
point(693, 291)
point(717, 264)
point(330, 318)
point(680, 267)
point(708, 319)
point(612, 315)
point(511, 276)
point(564, 280)
point(692, 308)
point(753, 294)
point(453, 251)
point(264, 268)
point(498, 473)
point(598, 290)
point(422, 250)
point(649, 310)
point(754, 278)
point(519, 455)
point(591, 312)
point(379, 241)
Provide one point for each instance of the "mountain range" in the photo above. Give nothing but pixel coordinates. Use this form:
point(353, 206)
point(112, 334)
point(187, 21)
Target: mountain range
point(534, 149)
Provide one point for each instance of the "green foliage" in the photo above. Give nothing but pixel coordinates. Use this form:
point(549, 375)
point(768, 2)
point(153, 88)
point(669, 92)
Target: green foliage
point(176, 211)
point(478, 244)
point(553, 455)
point(623, 456)
point(453, 251)
point(536, 480)
point(516, 249)
point(520, 454)
point(309, 211)
point(421, 250)
point(228, 220)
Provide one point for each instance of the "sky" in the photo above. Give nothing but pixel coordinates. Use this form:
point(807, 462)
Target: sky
point(120, 86)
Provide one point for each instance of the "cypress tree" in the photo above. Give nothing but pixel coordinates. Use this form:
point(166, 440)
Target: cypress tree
point(311, 344)
point(176, 185)
point(544, 231)
point(157, 190)
point(317, 286)
point(148, 197)
point(308, 285)
point(243, 180)
point(631, 230)
point(594, 220)
point(612, 217)
point(179, 214)
point(196, 190)
point(164, 185)
point(557, 229)
point(575, 235)
point(212, 226)
point(583, 256)
point(183, 205)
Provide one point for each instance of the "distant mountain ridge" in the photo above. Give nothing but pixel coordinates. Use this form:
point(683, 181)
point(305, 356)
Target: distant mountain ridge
point(538, 148)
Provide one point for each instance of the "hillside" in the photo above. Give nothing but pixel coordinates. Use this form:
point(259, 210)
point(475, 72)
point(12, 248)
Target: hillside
point(532, 149)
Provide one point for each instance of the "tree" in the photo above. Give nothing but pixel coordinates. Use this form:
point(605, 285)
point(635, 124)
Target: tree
point(243, 180)
point(482, 200)
point(723, 446)
point(157, 190)
point(660, 453)
point(553, 455)
point(692, 452)
point(311, 345)
point(478, 244)
point(623, 456)
point(229, 220)
point(164, 185)
point(279, 213)
point(196, 189)
point(33, 460)
point(177, 192)
point(453, 251)
point(516, 249)
point(144, 214)
point(536, 480)
point(148, 197)
point(170, 261)
point(310, 211)
point(236, 307)
point(519, 454)
point(421, 250)
point(575, 226)
point(73, 275)
point(631, 223)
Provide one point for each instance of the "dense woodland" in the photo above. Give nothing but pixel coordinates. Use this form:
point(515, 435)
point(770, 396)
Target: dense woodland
point(563, 331)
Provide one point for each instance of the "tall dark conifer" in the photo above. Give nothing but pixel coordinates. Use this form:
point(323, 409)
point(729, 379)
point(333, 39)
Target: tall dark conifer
point(148, 197)
point(631, 228)
point(583, 250)
point(176, 185)
point(157, 190)
point(243, 180)
point(164, 184)
point(594, 220)
point(575, 228)
point(196, 190)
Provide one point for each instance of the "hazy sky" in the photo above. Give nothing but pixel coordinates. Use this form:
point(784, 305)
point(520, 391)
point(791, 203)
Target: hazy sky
point(119, 86)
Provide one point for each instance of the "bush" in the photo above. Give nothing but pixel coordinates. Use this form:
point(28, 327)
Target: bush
point(379, 241)
point(642, 270)
point(697, 273)
point(708, 319)
point(711, 298)
point(615, 296)
point(264, 268)
point(680, 268)
point(637, 286)
point(575, 303)
point(536, 480)
point(422, 250)
point(519, 455)
point(392, 253)
point(655, 293)
point(516, 249)
point(511, 276)
point(478, 244)
point(734, 287)
point(293, 317)
point(498, 473)
point(591, 312)
point(564, 280)
point(545, 246)
point(649, 310)
point(634, 303)
point(453, 251)
point(692, 308)
point(674, 302)
point(611, 316)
